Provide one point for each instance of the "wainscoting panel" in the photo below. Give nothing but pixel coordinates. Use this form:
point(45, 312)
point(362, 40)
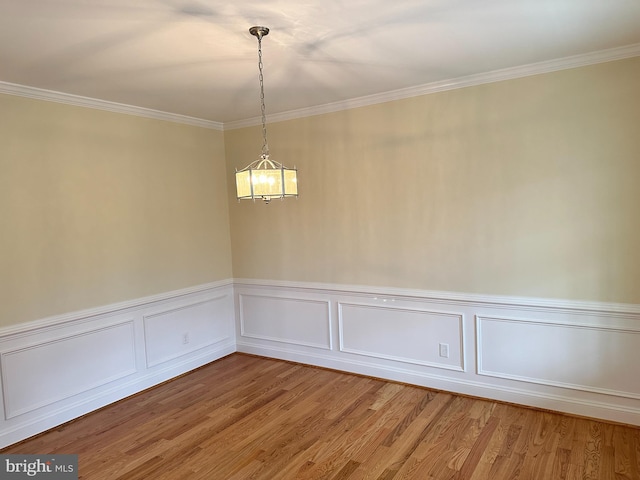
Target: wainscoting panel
point(575, 357)
point(172, 333)
point(402, 334)
point(601, 359)
point(57, 369)
point(50, 371)
point(294, 320)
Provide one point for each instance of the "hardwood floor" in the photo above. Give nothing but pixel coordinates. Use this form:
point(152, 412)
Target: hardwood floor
point(246, 417)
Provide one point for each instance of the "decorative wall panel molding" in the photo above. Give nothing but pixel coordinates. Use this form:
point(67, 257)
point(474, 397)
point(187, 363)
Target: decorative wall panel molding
point(391, 294)
point(573, 357)
point(181, 330)
point(592, 358)
point(46, 372)
point(291, 319)
point(63, 367)
point(410, 335)
point(89, 315)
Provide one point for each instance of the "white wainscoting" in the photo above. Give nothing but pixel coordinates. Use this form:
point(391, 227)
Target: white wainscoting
point(298, 321)
point(170, 333)
point(602, 359)
point(49, 371)
point(413, 335)
point(581, 358)
point(575, 357)
point(57, 369)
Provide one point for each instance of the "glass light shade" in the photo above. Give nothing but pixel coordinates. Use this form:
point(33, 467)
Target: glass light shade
point(265, 179)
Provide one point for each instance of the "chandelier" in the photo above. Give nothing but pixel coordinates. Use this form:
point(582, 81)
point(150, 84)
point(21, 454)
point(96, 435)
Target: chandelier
point(265, 178)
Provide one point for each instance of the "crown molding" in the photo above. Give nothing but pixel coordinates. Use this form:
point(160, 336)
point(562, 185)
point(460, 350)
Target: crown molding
point(511, 73)
point(79, 101)
point(565, 63)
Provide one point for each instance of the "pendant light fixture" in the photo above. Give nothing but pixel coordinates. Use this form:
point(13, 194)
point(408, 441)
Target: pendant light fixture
point(265, 178)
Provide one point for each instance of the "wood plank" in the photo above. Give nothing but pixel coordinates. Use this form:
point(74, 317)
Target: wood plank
point(247, 417)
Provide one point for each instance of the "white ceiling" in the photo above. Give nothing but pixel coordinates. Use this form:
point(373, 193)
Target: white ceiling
point(197, 58)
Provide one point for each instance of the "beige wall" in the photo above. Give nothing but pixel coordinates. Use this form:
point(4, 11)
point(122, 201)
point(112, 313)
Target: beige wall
point(98, 207)
point(528, 187)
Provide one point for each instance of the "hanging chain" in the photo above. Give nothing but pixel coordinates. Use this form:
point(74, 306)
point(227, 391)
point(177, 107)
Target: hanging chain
point(265, 145)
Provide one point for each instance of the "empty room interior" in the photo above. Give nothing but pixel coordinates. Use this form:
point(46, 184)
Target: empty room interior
point(445, 279)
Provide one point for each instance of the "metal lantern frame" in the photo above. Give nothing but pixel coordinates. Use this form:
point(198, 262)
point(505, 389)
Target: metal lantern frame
point(264, 178)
